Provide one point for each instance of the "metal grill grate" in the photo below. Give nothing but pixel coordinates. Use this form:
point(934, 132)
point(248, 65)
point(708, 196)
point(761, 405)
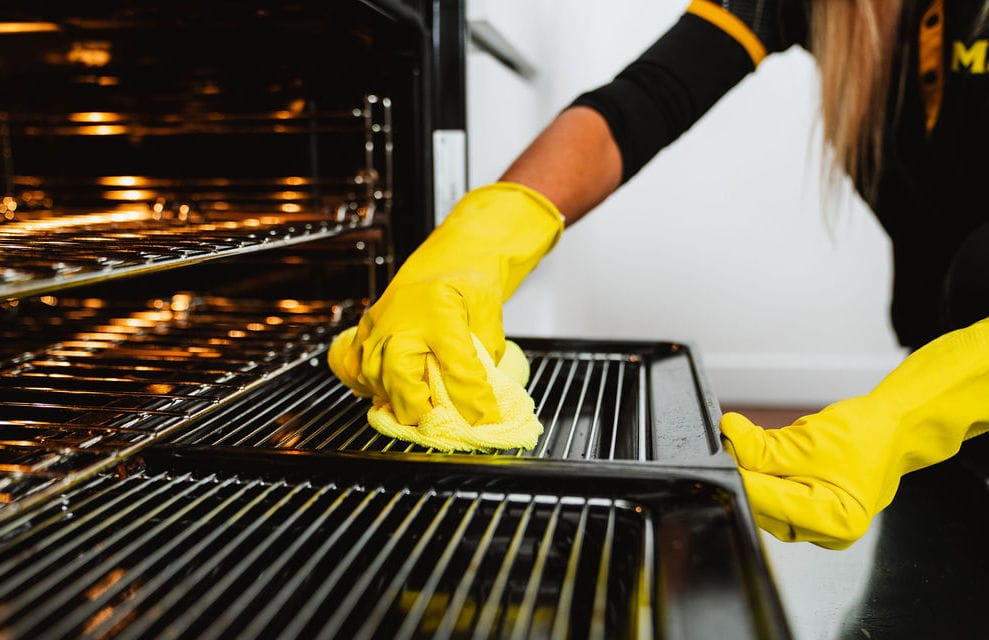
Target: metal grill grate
point(57, 232)
point(235, 543)
point(213, 557)
point(593, 405)
point(97, 394)
point(94, 247)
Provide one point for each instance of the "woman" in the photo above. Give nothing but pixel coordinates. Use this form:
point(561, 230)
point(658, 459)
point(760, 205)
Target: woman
point(904, 90)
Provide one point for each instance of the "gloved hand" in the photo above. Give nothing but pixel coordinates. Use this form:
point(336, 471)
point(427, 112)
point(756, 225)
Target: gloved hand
point(823, 478)
point(453, 285)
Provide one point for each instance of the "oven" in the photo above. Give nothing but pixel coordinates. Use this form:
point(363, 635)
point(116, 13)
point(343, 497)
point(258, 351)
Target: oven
point(197, 197)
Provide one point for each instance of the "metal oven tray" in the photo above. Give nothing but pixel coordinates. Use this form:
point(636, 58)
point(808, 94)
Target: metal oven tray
point(223, 543)
point(601, 400)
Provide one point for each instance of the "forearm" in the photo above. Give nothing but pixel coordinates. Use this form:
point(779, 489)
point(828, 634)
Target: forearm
point(574, 162)
point(610, 133)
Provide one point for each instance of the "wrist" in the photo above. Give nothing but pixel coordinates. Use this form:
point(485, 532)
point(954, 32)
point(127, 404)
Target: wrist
point(541, 201)
point(503, 229)
point(510, 210)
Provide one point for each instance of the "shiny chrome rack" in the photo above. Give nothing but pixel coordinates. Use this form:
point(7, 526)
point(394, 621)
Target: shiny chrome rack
point(57, 232)
point(594, 405)
point(102, 392)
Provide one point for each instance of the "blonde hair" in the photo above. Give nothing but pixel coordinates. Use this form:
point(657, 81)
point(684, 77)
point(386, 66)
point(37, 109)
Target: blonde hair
point(854, 42)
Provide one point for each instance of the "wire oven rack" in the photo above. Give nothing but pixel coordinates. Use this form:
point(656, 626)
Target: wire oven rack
point(223, 544)
point(116, 226)
point(133, 374)
point(596, 401)
point(312, 525)
point(211, 371)
point(103, 246)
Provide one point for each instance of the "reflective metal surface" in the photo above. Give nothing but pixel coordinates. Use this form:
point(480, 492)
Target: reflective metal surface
point(58, 231)
point(596, 401)
point(101, 392)
point(298, 545)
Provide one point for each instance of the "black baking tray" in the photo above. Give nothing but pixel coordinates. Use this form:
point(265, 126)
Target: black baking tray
point(596, 399)
point(229, 542)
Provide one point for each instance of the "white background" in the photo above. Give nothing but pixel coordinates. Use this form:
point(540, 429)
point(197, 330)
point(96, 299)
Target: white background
point(723, 241)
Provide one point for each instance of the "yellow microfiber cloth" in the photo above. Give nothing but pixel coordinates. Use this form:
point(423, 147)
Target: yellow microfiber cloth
point(443, 428)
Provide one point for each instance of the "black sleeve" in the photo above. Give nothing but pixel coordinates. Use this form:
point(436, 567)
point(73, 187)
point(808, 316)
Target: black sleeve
point(670, 86)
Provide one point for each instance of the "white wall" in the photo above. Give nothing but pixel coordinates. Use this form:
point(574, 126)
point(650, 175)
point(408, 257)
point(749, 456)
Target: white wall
point(721, 241)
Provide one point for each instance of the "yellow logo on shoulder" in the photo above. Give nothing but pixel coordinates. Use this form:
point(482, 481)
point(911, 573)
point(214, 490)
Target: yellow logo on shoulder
point(971, 59)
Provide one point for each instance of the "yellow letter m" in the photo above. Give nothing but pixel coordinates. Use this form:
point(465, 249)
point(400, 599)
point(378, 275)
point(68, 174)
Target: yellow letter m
point(971, 58)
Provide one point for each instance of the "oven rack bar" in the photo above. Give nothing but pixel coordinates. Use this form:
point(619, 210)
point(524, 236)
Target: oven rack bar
point(98, 394)
point(223, 124)
point(120, 244)
point(43, 201)
point(164, 182)
point(208, 556)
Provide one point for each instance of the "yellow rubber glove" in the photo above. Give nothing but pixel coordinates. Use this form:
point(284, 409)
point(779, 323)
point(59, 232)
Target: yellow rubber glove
point(823, 478)
point(453, 285)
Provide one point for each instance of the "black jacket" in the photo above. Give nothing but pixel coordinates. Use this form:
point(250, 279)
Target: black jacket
point(936, 147)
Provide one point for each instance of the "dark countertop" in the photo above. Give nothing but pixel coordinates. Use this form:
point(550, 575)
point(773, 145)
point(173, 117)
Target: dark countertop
point(922, 570)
